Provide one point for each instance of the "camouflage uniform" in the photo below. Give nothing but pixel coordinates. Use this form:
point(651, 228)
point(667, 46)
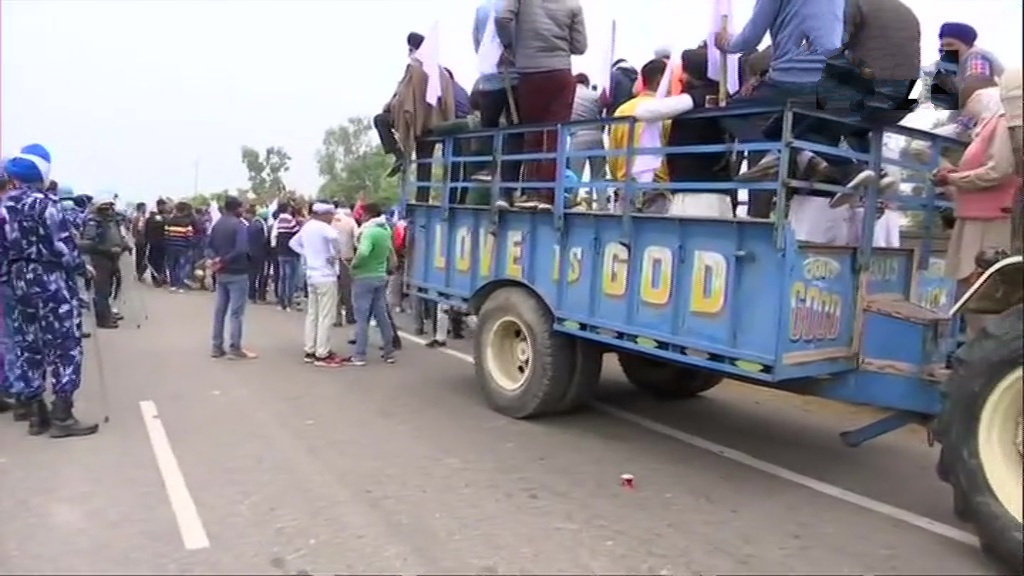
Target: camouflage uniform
point(38, 247)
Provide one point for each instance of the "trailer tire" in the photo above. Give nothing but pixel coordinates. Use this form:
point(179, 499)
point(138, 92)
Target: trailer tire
point(587, 375)
point(979, 429)
point(523, 365)
point(666, 380)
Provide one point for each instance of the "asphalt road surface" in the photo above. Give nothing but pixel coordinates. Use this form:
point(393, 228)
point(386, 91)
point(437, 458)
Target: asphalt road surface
point(272, 466)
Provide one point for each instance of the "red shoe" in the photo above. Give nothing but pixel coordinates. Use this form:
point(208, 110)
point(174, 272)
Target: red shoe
point(330, 361)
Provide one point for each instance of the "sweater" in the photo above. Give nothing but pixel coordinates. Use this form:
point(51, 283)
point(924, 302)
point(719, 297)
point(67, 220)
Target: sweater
point(229, 243)
point(373, 250)
point(886, 35)
point(804, 33)
point(985, 180)
point(543, 36)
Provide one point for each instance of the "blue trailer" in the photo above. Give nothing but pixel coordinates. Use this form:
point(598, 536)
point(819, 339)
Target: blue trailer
point(687, 302)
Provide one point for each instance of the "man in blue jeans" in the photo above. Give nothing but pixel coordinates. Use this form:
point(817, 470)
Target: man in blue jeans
point(229, 251)
point(373, 257)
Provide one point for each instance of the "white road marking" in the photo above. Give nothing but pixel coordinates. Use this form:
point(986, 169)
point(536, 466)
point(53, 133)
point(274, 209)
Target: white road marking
point(766, 467)
point(190, 525)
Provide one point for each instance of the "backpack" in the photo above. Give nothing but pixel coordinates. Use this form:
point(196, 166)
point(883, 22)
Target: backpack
point(621, 90)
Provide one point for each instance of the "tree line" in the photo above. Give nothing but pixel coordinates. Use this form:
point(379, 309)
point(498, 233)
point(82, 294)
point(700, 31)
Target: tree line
point(350, 162)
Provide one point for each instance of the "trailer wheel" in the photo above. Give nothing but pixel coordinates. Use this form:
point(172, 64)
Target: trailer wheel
point(981, 430)
point(666, 380)
point(586, 377)
point(522, 364)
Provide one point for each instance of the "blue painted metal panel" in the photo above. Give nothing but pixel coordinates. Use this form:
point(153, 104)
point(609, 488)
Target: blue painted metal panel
point(735, 295)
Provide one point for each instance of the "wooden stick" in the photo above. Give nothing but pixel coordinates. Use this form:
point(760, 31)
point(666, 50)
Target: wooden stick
point(723, 66)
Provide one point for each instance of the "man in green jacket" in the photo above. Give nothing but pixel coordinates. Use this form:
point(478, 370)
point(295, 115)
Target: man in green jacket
point(373, 260)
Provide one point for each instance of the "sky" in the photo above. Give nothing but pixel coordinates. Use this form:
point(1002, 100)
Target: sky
point(148, 98)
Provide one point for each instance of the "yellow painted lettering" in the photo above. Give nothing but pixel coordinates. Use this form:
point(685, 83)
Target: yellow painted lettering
point(656, 275)
point(486, 252)
point(514, 254)
point(555, 274)
point(707, 282)
point(575, 264)
point(439, 244)
point(463, 249)
point(614, 269)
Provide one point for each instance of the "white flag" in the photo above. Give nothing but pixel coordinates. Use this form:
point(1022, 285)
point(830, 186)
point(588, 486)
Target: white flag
point(490, 49)
point(732, 83)
point(429, 55)
point(214, 213)
point(645, 166)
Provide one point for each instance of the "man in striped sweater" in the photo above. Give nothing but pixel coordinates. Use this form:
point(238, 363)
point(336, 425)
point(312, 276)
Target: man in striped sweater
point(179, 240)
point(288, 261)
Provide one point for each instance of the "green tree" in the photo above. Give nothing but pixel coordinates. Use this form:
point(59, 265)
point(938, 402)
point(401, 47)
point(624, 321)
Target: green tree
point(352, 163)
point(266, 171)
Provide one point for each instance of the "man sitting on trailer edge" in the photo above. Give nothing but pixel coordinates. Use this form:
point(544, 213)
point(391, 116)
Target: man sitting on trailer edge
point(804, 35)
point(407, 116)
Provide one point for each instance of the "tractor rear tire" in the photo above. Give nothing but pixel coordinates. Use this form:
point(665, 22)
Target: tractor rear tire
point(666, 380)
point(980, 428)
point(523, 365)
point(586, 377)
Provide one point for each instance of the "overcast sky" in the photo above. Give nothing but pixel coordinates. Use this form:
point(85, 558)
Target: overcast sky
point(131, 96)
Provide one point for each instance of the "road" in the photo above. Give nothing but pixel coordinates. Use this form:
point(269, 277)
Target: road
point(272, 466)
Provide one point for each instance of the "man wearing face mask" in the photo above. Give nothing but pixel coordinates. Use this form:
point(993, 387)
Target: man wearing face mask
point(104, 242)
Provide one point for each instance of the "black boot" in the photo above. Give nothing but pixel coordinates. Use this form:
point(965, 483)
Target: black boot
point(22, 412)
point(64, 422)
point(38, 417)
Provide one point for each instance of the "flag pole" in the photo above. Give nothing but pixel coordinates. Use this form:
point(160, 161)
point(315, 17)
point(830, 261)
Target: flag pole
point(723, 66)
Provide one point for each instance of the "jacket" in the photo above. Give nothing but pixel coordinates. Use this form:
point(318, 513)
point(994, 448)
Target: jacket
point(542, 35)
point(886, 35)
point(411, 116)
point(229, 245)
point(374, 250)
point(259, 238)
point(985, 181)
point(102, 236)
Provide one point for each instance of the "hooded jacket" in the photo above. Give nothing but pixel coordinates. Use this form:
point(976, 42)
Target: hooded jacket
point(373, 250)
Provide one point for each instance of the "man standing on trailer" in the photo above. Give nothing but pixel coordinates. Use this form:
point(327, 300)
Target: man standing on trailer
point(541, 38)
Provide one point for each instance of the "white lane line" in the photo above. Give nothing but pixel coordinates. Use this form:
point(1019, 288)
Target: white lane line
point(767, 467)
point(190, 525)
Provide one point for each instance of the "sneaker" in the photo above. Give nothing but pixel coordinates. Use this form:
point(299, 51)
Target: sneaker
point(329, 361)
point(218, 353)
point(483, 176)
point(308, 357)
point(396, 167)
point(352, 361)
point(862, 178)
point(388, 359)
point(766, 169)
point(242, 355)
point(502, 205)
point(436, 344)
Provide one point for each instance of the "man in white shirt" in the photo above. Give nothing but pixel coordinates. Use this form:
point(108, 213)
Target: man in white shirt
point(319, 245)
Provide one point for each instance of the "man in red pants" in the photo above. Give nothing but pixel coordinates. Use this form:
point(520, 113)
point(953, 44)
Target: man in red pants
point(540, 38)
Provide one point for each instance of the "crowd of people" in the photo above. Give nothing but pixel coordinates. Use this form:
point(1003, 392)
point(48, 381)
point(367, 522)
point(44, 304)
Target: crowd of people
point(345, 266)
point(825, 51)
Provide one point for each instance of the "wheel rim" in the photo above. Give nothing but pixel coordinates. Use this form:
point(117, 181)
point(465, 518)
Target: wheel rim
point(999, 442)
point(509, 353)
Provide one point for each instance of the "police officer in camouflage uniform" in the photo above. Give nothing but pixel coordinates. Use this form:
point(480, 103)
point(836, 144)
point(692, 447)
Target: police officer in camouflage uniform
point(76, 217)
point(39, 254)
